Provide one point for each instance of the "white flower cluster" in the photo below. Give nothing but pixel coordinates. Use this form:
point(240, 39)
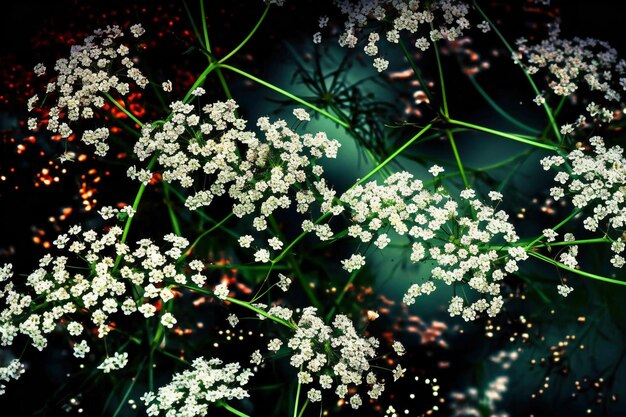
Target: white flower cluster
point(261, 176)
point(65, 294)
point(571, 64)
point(92, 69)
point(13, 370)
point(597, 184)
point(442, 19)
point(191, 392)
point(458, 245)
point(333, 355)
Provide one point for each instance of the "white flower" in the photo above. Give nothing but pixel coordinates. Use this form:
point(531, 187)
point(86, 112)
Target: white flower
point(168, 320)
point(245, 241)
point(398, 348)
point(564, 290)
point(167, 86)
point(274, 345)
point(115, 362)
point(398, 372)
point(221, 291)
point(435, 170)
point(302, 115)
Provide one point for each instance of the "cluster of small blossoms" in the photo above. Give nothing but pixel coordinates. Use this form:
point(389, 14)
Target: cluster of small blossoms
point(463, 248)
point(13, 370)
point(81, 289)
point(597, 184)
point(260, 175)
point(332, 356)
point(191, 392)
point(571, 64)
point(436, 20)
point(81, 81)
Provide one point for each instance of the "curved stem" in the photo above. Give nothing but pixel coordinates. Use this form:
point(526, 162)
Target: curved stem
point(123, 109)
point(574, 270)
point(457, 157)
point(247, 38)
point(499, 109)
point(206, 232)
point(549, 113)
point(136, 202)
point(234, 410)
point(555, 228)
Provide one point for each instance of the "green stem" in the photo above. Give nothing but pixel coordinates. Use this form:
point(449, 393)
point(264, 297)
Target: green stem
point(555, 228)
point(205, 31)
point(129, 389)
point(343, 293)
point(575, 271)
point(499, 109)
point(234, 410)
point(575, 242)
point(199, 82)
point(457, 157)
point(261, 312)
point(123, 109)
point(440, 71)
point(303, 408)
point(393, 155)
point(417, 72)
point(555, 128)
point(129, 220)
point(286, 94)
point(504, 135)
point(247, 38)
point(206, 232)
point(295, 406)
point(170, 209)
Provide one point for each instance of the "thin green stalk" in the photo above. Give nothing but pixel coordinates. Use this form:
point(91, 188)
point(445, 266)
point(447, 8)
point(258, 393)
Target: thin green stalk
point(129, 220)
point(504, 162)
point(261, 312)
point(574, 270)
point(394, 155)
point(205, 30)
point(306, 403)
point(207, 44)
point(123, 109)
point(441, 82)
point(575, 242)
point(203, 215)
point(296, 268)
point(547, 109)
point(206, 232)
point(504, 135)
point(247, 38)
point(417, 72)
point(244, 304)
point(457, 157)
point(131, 384)
point(199, 82)
point(295, 406)
point(343, 293)
point(170, 210)
point(555, 228)
point(286, 94)
point(499, 109)
point(234, 410)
